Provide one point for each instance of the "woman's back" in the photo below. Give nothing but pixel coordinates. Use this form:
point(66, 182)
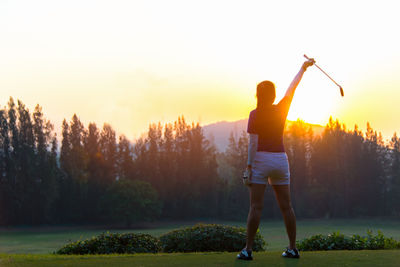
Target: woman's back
point(268, 123)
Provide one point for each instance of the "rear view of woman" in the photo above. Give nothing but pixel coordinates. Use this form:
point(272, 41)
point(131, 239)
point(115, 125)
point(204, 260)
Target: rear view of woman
point(267, 160)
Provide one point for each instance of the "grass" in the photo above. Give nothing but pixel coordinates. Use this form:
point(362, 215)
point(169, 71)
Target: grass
point(32, 247)
point(46, 240)
point(385, 258)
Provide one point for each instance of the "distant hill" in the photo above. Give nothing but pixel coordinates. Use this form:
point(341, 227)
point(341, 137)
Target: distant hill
point(219, 132)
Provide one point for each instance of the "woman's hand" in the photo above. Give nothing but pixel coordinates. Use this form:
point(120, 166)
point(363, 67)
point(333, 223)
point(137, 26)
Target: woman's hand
point(250, 172)
point(247, 176)
point(308, 63)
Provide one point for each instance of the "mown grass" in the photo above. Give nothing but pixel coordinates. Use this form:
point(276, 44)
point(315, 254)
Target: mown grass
point(46, 240)
point(387, 258)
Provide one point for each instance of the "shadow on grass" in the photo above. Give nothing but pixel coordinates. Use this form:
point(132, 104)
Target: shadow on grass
point(291, 262)
point(283, 261)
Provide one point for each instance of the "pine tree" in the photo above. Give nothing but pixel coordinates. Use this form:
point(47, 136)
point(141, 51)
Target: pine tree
point(125, 164)
point(371, 172)
point(237, 197)
point(6, 203)
point(140, 157)
point(183, 187)
point(66, 183)
point(27, 181)
point(151, 166)
point(76, 170)
point(384, 164)
point(44, 168)
point(108, 148)
point(56, 173)
point(297, 144)
point(353, 155)
point(394, 191)
point(168, 168)
point(14, 204)
point(327, 172)
point(95, 172)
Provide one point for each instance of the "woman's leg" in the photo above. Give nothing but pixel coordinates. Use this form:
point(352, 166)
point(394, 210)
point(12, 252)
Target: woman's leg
point(253, 219)
point(282, 193)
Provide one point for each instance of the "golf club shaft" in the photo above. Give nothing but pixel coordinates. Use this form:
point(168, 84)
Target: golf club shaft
point(341, 89)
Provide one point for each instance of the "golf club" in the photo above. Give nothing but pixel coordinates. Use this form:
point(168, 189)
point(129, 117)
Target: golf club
point(341, 89)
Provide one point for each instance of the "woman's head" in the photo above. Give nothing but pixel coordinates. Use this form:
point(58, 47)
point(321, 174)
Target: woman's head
point(265, 94)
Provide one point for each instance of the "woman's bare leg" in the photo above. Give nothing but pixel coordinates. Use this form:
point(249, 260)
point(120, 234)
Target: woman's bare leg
point(282, 194)
point(256, 206)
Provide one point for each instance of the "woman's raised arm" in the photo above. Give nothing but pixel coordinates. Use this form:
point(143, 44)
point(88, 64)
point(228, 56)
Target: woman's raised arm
point(292, 87)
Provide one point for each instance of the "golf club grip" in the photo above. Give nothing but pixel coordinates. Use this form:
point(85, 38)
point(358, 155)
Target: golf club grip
point(341, 91)
point(306, 57)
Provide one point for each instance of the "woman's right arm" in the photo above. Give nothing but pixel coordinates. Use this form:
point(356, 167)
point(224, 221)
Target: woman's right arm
point(253, 140)
point(251, 154)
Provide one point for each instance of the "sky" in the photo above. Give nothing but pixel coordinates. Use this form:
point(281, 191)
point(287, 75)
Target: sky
point(131, 63)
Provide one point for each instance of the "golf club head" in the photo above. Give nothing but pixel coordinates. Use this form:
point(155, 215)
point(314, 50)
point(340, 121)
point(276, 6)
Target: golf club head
point(341, 91)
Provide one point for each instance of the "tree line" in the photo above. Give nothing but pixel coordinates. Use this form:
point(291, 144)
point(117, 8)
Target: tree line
point(174, 172)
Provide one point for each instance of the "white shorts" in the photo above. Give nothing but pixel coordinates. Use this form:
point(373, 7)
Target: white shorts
point(273, 166)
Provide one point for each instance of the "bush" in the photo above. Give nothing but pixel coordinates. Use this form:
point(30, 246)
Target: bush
point(338, 241)
point(108, 243)
point(208, 237)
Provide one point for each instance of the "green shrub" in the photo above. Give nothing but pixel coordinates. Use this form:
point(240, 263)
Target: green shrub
point(208, 237)
point(338, 241)
point(108, 243)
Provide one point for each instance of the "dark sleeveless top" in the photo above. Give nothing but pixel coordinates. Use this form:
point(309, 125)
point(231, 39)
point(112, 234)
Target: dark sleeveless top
point(269, 124)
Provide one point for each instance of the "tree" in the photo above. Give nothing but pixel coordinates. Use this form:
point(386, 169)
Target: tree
point(327, 171)
point(66, 182)
point(237, 196)
point(74, 165)
point(108, 148)
point(125, 163)
point(298, 140)
point(167, 169)
point(95, 171)
point(6, 203)
point(371, 173)
point(44, 165)
point(353, 164)
point(13, 203)
point(394, 191)
point(132, 201)
point(27, 181)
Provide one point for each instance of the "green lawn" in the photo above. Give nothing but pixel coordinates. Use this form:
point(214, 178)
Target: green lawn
point(385, 258)
point(46, 240)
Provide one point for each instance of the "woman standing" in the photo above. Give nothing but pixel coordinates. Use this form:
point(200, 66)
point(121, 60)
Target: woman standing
point(267, 160)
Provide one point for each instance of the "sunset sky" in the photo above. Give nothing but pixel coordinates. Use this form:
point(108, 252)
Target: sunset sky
point(129, 63)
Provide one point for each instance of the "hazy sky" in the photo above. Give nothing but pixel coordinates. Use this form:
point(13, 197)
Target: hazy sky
point(129, 63)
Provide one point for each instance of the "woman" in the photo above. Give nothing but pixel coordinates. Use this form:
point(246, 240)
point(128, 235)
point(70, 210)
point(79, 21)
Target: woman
point(267, 160)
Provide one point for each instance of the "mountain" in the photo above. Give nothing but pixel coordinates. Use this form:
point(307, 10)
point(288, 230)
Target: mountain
point(219, 132)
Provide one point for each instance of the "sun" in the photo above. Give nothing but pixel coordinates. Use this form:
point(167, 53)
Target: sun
point(314, 103)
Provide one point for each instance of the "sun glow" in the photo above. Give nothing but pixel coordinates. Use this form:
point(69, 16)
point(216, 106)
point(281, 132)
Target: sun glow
point(315, 101)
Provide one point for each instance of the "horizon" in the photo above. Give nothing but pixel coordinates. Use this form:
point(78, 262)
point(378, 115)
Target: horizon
point(57, 130)
point(348, 129)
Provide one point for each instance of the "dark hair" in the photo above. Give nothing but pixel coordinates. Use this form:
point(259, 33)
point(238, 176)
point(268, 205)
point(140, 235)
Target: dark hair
point(265, 94)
